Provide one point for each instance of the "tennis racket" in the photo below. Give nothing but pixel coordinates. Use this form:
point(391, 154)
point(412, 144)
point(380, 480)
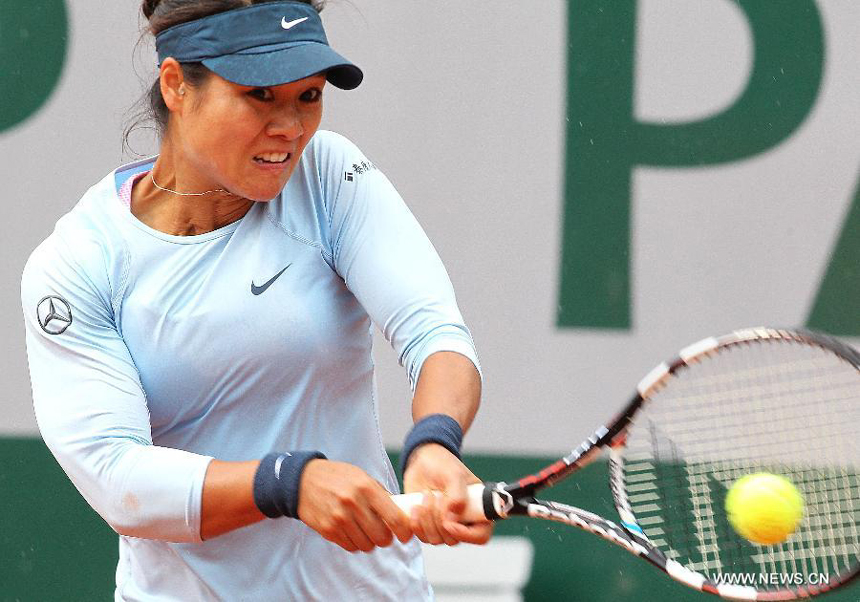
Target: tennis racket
point(756, 400)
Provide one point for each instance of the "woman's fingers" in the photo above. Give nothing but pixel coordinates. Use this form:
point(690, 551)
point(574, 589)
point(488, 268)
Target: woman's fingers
point(476, 533)
point(348, 507)
point(439, 519)
point(393, 517)
point(427, 521)
point(423, 525)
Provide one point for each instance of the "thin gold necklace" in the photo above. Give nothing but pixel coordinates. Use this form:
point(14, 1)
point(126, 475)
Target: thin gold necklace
point(152, 177)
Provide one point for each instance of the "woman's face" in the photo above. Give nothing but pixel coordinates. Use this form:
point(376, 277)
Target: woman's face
point(246, 140)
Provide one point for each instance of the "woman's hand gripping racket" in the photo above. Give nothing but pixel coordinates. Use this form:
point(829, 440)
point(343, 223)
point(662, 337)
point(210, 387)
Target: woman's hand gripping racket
point(757, 400)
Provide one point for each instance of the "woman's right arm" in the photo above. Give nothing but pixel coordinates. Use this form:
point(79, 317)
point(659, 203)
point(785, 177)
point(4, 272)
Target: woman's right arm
point(92, 414)
point(89, 403)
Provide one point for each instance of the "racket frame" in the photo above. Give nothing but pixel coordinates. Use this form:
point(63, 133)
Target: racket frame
point(501, 500)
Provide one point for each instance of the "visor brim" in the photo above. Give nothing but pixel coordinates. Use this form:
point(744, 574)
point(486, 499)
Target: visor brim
point(286, 63)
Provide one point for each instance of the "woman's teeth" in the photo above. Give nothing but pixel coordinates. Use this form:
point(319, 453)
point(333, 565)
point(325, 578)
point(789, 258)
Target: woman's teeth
point(272, 157)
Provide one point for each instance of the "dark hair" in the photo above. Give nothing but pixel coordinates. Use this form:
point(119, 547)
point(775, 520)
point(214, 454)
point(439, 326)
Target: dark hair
point(161, 15)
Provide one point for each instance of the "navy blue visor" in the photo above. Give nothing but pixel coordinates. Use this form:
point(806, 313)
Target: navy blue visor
point(261, 45)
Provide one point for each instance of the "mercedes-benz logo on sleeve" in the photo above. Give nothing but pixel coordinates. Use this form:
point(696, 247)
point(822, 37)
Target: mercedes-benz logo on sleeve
point(54, 314)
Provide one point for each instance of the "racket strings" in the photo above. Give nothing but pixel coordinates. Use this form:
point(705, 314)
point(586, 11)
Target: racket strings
point(767, 406)
point(794, 403)
point(698, 499)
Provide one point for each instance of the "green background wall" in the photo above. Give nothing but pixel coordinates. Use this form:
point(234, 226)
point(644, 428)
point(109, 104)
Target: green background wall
point(53, 547)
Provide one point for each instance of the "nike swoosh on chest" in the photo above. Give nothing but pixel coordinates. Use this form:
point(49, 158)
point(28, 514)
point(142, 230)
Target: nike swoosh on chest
point(259, 290)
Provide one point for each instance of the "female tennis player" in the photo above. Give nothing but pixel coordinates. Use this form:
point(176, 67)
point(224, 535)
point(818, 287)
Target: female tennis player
point(199, 334)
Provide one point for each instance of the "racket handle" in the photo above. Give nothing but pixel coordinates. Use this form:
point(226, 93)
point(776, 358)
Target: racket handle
point(474, 502)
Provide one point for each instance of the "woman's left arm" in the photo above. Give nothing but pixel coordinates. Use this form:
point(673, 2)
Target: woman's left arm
point(448, 384)
point(390, 266)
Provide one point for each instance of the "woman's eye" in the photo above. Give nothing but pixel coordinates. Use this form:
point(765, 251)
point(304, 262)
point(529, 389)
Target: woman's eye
point(261, 94)
point(312, 95)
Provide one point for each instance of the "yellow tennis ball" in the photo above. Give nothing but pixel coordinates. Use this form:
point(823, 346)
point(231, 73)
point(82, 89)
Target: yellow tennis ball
point(764, 508)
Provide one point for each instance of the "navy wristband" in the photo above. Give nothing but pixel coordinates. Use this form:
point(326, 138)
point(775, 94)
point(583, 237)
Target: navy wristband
point(276, 482)
point(435, 428)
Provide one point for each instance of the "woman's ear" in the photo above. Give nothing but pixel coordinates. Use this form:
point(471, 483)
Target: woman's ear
point(172, 84)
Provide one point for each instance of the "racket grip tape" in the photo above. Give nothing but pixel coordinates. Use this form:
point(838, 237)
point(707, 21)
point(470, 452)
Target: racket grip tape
point(480, 502)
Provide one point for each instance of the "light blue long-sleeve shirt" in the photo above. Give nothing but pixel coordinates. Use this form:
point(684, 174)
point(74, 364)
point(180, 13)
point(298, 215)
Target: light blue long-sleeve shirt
point(150, 354)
